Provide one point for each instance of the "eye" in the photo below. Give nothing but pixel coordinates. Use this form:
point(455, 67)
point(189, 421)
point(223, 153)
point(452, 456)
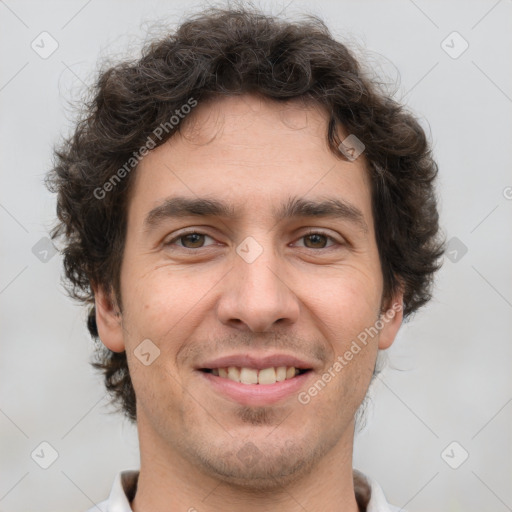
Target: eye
point(317, 240)
point(190, 240)
point(196, 240)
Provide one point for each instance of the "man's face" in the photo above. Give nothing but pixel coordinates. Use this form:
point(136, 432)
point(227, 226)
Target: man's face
point(251, 290)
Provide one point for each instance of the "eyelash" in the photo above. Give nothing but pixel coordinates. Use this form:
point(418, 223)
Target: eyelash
point(195, 232)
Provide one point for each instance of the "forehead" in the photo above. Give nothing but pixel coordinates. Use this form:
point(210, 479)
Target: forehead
point(222, 118)
point(251, 152)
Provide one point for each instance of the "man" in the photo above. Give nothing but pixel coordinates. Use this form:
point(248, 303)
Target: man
point(250, 220)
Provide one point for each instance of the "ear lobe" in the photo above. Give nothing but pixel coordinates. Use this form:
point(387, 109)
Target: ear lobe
point(108, 320)
point(392, 319)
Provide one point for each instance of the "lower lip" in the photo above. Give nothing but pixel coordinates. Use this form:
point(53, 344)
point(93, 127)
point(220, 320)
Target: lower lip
point(256, 394)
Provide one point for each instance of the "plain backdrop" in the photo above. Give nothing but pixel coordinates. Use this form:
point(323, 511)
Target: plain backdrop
point(439, 425)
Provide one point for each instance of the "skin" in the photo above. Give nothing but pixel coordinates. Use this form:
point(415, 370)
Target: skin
point(304, 296)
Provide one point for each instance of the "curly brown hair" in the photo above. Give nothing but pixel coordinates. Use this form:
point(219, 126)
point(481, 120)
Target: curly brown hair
point(233, 51)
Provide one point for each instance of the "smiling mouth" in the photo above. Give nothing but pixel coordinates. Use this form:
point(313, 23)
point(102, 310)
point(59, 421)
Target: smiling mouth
point(262, 376)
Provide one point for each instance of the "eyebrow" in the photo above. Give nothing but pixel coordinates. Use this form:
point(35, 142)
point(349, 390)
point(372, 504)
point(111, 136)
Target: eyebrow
point(178, 207)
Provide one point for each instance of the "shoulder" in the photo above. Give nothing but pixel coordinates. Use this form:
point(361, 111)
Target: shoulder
point(121, 494)
point(99, 507)
point(370, 495)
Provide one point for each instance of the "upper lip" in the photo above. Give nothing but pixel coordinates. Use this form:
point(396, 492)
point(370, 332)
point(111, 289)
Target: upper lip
point(257, 362)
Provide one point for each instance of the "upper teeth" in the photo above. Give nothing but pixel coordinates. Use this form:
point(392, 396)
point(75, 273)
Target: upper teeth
point(252, 376)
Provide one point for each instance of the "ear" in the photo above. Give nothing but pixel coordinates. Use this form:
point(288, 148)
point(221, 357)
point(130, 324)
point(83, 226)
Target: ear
point(108, 320)
point(392, 317)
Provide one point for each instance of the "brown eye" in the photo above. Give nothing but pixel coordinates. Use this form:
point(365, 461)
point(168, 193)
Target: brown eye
point(194, 239)
point(318, 241)
point(190, 240)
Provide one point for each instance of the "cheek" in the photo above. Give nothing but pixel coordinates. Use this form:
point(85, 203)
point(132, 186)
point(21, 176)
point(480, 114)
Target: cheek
point(167, 307)
point(347, 302)
point(159, 390)
point(159, 299)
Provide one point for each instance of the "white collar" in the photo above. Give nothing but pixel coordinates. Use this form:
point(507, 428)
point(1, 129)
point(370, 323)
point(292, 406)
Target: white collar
point(125, 484)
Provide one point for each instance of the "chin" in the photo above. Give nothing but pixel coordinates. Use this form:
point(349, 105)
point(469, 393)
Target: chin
point(262, 465)
point(266, 474)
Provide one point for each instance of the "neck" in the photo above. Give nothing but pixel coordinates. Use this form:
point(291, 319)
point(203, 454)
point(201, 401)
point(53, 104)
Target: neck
point(169, 481)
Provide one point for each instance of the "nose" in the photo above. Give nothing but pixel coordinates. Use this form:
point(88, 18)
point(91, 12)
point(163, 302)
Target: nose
point(256, 295)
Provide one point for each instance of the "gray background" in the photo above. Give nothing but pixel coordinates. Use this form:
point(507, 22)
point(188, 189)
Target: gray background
point(449, 377)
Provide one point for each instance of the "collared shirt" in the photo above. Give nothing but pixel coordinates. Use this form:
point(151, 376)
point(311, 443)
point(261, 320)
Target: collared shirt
point(369, 494)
